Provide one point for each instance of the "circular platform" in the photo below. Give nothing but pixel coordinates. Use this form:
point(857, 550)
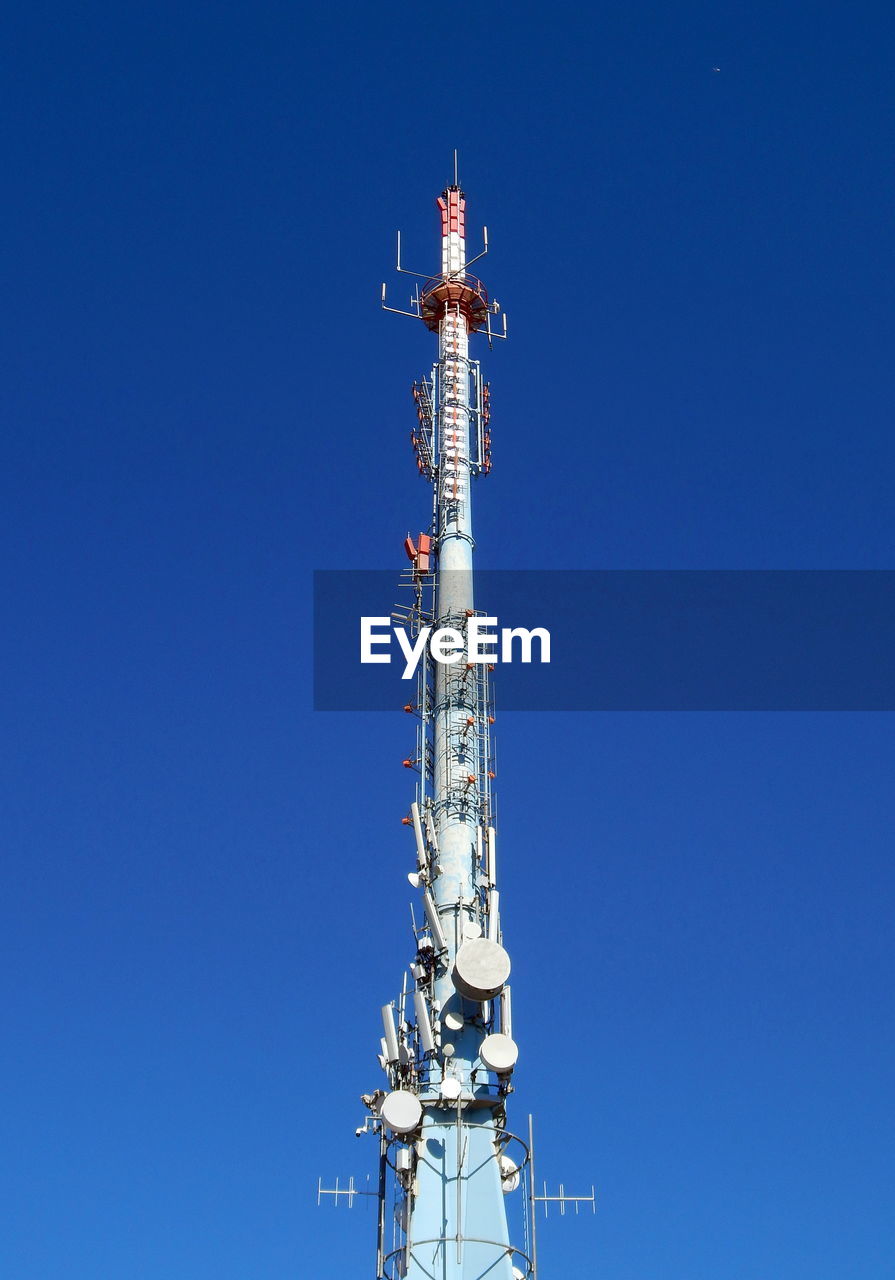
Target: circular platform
point(465, 292)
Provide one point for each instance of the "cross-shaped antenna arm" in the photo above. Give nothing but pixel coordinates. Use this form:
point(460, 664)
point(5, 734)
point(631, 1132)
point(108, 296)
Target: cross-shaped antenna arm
point(414, 315)
point(404, 270)
point(490, 333)
point(484, 251)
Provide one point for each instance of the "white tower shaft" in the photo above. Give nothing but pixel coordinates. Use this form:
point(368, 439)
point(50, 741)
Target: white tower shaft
point(446, 1111)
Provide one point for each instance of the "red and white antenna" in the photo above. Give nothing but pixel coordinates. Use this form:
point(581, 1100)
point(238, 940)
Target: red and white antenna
point(454, 288)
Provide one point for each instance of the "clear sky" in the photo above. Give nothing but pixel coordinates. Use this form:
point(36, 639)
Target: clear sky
point(202, 899)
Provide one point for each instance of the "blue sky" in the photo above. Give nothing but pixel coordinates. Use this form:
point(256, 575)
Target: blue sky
point(203, 899)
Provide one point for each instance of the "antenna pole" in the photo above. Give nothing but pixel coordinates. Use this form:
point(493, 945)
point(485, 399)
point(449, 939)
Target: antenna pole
point(449, 1060)
point(380, 1216)
point(533, 1214)
point(445, 1112)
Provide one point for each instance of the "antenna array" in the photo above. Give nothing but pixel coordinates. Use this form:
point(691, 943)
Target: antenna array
point(447, 1156)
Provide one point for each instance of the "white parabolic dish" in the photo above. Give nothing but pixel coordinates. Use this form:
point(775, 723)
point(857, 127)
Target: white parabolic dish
point(481, 969)
point(509, 1174)
point(401, 1110)
point(499, 1052)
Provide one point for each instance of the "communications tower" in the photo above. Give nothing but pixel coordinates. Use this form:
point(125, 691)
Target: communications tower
point(449, 1163)
point(448, 1049)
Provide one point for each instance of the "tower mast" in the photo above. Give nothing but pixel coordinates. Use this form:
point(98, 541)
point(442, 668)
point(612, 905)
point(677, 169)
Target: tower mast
point(449, 1054)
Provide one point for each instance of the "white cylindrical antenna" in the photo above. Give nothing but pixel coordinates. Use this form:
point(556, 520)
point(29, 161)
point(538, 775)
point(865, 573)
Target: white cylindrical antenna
point(383, 292)
point(491, 847)
point(391, 1035)
point(434, 922)
point(485, 234)
point(479, 851)
point(430, 832)
point(421, 857)
point(424, 1025)
point(494, 916)
point(506, 1012)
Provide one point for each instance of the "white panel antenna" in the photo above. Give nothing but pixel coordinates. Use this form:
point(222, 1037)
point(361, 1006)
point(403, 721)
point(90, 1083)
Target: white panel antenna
point(424, 1025)
point(391, 1035)
point(506, 1012)
point(494, 915)
point(430, 832)
point(491, 847)
point(434, 921)
point(421, 855)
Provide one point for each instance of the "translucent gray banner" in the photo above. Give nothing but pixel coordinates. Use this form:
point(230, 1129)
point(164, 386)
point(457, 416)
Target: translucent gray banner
point(638, 640)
